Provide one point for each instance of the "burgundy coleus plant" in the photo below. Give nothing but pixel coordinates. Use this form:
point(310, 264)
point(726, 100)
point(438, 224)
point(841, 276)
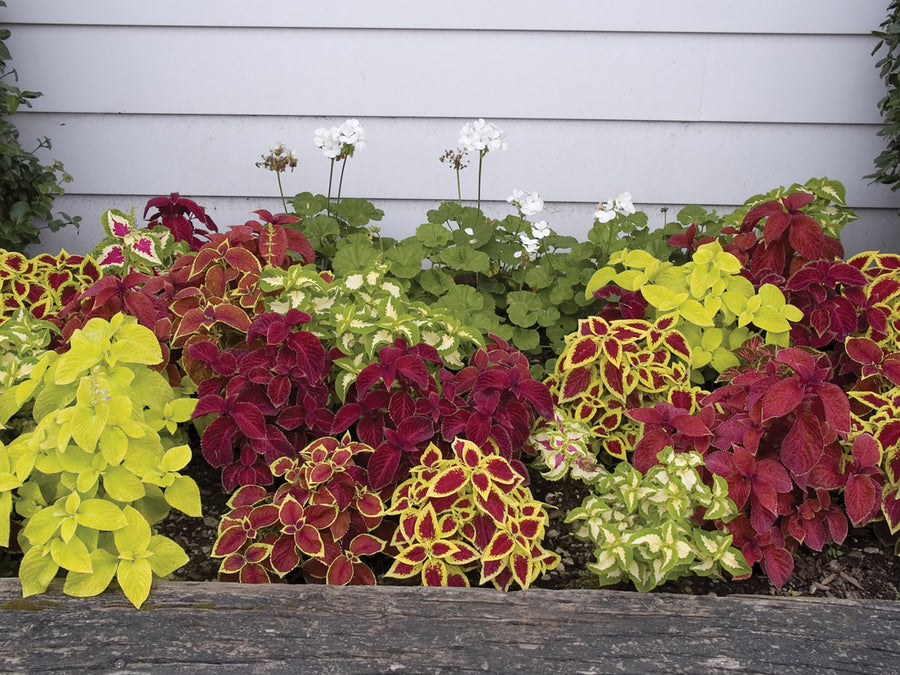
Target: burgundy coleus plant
point(399, 405)
point(778, 425)
point(181, 216)
point(831, 295)
point(666, 424)
point(269, 397)
point(789, 237)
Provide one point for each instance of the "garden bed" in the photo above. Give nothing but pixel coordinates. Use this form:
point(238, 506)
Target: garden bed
point(200, 627)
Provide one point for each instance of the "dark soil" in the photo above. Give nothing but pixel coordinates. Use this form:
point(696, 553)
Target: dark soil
point(864, 566)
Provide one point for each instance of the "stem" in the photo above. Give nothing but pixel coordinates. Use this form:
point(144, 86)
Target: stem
point(330, 176)
point(480, 159)
point(458, 188)
point(280, 191)
point(341, 180)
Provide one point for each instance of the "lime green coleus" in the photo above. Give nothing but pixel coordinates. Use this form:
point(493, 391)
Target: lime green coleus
point(719, 309)
point(101, 466)
point(644, 526)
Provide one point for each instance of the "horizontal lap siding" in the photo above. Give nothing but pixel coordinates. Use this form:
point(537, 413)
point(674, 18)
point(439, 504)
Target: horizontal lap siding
point(686, 106)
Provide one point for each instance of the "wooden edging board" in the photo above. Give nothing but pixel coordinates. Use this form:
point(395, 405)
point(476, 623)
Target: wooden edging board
point(200, 627)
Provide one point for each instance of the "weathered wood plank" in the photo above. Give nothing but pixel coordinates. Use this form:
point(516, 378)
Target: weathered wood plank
point(200, 627)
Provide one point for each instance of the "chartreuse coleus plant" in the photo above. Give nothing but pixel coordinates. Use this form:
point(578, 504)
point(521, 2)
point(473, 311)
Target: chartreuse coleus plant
point(716, 306)
point(363, 312)
point(649, 528)
point(101, 466)
point(610, 367)
point(468, 513)
point(43, 284)
point(321, 520)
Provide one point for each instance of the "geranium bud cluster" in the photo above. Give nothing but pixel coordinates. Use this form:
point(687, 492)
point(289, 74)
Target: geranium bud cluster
point(278, 159)
point(340, 142)
point(454, 158)
point(481, 136)
point(607, 210)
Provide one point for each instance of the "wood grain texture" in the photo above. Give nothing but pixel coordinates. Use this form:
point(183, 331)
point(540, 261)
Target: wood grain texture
point(761, 16)
point(199, 627)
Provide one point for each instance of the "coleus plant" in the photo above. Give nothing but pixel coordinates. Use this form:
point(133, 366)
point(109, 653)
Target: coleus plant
point(649, 528)
point(468, 512)
point(777, 432)
point(610, 367)
point(775, 234)
point(98, 470)
point(363, 312)
point(218, 290)
point(269, 396)
point(43, 284)
point(400, 405)
point(127, 247)
point(716, 306)
point(322, 520)
point(178, 215)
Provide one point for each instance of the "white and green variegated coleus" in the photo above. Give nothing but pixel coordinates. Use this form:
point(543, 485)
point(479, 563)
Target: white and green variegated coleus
point(363, 312)
point(643, 528)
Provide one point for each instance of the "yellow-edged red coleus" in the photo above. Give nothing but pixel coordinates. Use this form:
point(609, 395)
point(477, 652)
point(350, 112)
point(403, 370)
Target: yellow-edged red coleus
point(322, 520)
point(610, 367)
point(43, 284)
point(469, 512)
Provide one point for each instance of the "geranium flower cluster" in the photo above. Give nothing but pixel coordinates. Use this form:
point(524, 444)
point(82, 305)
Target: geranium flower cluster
point(481, 136)
point(527, 203)
point(342, 141)
point(607, 210)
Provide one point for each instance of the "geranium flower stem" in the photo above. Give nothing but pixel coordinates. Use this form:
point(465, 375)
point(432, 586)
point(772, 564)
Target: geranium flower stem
point(480, 160)
point(341, 179)
point(281, 191)
point(330, 177)
point(458, 187)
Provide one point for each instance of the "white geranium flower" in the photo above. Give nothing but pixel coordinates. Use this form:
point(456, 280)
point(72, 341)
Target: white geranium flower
point(622, 204)
point(530, 245)
point(329, 141)
point(541, 229)
point(528, 203)
point(481, 136)
point(352, 133)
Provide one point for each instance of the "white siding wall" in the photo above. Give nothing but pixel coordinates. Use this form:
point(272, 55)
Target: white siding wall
point(689, 102)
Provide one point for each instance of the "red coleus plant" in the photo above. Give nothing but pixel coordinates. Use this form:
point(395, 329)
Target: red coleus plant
point(831, 295)
point(269, 397)
point(400, 405)
point(789, 238)
point(177, 214)
point(218, 285)
point(777, 431)
point(322, 521)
